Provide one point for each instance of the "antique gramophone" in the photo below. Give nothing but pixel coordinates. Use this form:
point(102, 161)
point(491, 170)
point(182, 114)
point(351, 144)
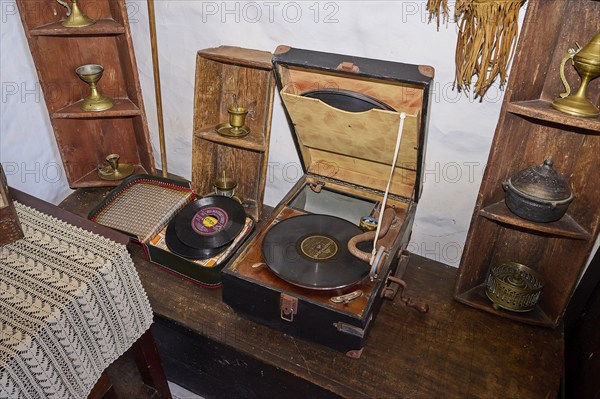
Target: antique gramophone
point(75, 17)
point(586, 61)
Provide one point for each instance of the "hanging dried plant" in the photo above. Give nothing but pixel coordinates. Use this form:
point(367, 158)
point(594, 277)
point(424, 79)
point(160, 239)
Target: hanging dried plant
point(439, 10)
point(487, 37)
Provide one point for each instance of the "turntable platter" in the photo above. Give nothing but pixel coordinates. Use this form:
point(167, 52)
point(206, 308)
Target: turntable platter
point(310, 251)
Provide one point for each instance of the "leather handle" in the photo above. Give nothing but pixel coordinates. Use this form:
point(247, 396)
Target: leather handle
point(347, 66)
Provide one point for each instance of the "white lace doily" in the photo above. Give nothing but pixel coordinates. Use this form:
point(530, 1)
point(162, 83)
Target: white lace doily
point(71, 303)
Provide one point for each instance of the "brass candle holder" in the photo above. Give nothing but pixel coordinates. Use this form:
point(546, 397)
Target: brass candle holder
point(75, 17)
point(236, 127)
point(114, 170)
point(586, 62)
point(91, 74)
point(225, 186)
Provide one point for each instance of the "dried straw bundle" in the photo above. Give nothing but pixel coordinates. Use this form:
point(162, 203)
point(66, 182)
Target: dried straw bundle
point(487, 36)
point(438, 9)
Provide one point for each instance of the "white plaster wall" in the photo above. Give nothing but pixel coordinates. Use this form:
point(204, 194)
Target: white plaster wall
point(460, 131)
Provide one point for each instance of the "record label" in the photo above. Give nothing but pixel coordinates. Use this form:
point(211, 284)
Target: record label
point(318, 247)
point(210, 220)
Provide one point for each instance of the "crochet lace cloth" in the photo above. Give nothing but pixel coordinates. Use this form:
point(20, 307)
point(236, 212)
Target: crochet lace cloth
point(71, 303)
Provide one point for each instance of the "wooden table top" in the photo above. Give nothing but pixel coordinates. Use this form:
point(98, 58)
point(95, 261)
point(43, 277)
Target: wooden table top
point(453, 351)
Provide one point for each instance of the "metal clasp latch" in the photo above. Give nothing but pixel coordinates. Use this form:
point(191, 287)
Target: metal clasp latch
point(288, 305)
point(317, 187)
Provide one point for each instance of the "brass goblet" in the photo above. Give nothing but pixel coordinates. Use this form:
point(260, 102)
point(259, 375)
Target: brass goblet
point(91, 74)
point(75, 17)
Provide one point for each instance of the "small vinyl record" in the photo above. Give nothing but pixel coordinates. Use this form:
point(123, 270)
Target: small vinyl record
point(210, 222)
point(311, 251)
point(179, 248)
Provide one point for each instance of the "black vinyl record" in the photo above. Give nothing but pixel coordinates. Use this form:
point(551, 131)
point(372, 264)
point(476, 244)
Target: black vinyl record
point(210, 222)
point(179, 248)
point(347, 100)
point(311, 251)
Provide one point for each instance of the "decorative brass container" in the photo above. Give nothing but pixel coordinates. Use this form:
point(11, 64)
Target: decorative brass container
point(586, 61)
point(513, 287)
point(75, 17)
point(91, 74)
point(114, 170)
point(538, 193)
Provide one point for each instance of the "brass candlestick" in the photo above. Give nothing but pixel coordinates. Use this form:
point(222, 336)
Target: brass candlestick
point(237, 121)
point(237, 118)
point(114, 170)
point(225, 186)
point(91, 74)
point(586, 61)
point(75, 17)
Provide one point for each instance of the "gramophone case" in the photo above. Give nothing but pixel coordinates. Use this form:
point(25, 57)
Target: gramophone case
point(344, 114)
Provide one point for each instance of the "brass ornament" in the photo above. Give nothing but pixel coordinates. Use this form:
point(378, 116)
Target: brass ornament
point(75, 17)
point(586, 61)
point(114, 170)
point(513, 286)
point(91, 74)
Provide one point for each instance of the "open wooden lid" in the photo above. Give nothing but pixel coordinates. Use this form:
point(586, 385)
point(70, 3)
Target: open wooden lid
point(356, 147)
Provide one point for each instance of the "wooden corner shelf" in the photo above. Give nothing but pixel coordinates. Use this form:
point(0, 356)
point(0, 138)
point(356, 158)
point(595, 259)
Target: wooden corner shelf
point(477, 298)
point(83, 137)
point(101, 27)
point(565, 227)
point(529, 130)
point(123, 108)
point(254, 141)
point(220, 73)
point(91, 179)
point(542, 110)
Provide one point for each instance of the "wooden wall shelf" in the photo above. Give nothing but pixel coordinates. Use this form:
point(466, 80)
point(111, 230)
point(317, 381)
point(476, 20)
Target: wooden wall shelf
point(477, 298)
point(123, 108)
point(564, 227)
point(542, 110)
point(528, 131)
point(220, 73)
point(255, 142)
point(91, 178)
point(101, 27)
point(84, 139)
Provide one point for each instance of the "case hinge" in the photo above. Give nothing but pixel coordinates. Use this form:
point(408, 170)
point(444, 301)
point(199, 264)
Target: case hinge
point(288, 305)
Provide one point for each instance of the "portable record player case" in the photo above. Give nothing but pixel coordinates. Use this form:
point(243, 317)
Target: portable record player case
point(142, 206)
point(347, 158)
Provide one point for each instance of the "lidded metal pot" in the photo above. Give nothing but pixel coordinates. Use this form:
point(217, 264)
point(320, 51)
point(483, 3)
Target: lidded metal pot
point(538, 193)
